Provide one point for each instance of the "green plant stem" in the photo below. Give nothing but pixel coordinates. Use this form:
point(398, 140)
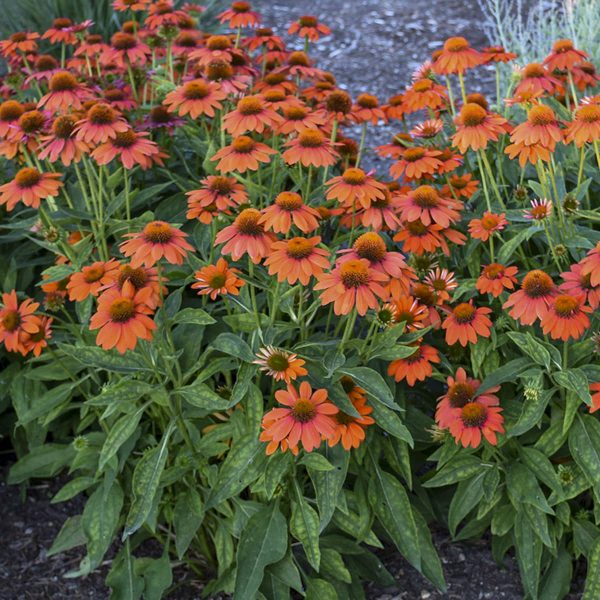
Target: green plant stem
point(450, 96)
point(484, 183)
point(361, 146)
point(463, 92)
point(492, 179)
point(349, 327)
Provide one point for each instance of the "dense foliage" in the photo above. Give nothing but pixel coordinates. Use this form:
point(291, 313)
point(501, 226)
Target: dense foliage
point(238, 341)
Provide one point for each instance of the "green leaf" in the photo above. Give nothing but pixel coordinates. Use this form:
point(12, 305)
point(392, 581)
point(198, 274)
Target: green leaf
point(243, 465)
point(195, 316)
point(320, 589)
point(529, 554)
point(157, 575)
point(287, 572)
point(304, 526)
point(328, 484)
point(531, 413)
point(333, 567)
point(576, 381)
point(43, 461)
point(100, 520)
point(467, 496)
point(522, 486)
point(508, 372)
point(263, 542)
point(557, 582)
point(539, 464)
point(396, 352)
point(122, 578)
point(530, 346)
point(118, 434)
point(145, 483)
point(72, 488)
point(233, 345)
point(50, 400)
point(126, 391)
point(463, 466)
point(509, 247)
point(199, 395)
point(70, 536)
point(188, 514)
point(373, 383)
point(584, 444)
point(592, 581)
point(316, 462)
point(389, 421)
point(102, 359)
point(390, 502)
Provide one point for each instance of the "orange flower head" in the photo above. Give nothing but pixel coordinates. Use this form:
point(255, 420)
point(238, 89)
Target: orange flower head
point(157, 240)
point(29, 186)
point(457, 56)
point(482, 229)
point(297, 259)
point(590, 265)
point(466, 323)
point(417, 367)
point(218, 280)
point(17, 320)
point(564, 56)
point(474, 420)
point(532, 300)
point(306, 418)
point(354, 187)
point(287, 210)
point(566, 317)
point(475, 127)
point(310, 148)
point(426, 205)
point(91, 279)
point(242, 154)
point(279, 364)
point(495, 278)
point(350, 430)
point(585, 128)
point(246, 235)
point(416, 162)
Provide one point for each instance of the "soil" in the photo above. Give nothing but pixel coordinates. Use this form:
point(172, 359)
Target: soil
point(375, 46)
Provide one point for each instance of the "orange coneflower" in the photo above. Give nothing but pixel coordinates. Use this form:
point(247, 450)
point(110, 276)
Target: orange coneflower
point(297, 259)
point(10, 113)
point(532, 300)
point(497, 54)
point(36, 341)
point(242, 154)
point(239, 15)
point(350, 430)
point(352, 284)
point(495, 278)
point(410, 311)
point(163, 14)
point(382, 212)
point(307, 418)
point(62, 144)
point(564, 56)
point(535, 78)
point(578, 284)
point(62, 31)
point(297, 118)
point(426, 205)
point(22, 41)
point(29, 186)
point(133, 5)
point(263, 37)
point(289, 209)
point(585, 75)
point(125, 49)
point(65, 93)
point(311, 148)
point(540, 209)
point(463, 185)
point(279, 364)
point(428, 298)
point(122, 318)
point(354, 187)
point(395, 108)
point(419, 238)
point(17, 320)
point(196, 97)
point(566, 317)
point(541, 127)
point(371, 246)
point(101, 123)
point(457, 56)
point(338, 105)
point(90, 280)
point(417, 367)
point(246, 235)
point(585, 128)
point(219, 279)
point(251, 114)
point(217, 48)
point(475, 127)
point(141, 278)
point(423, 94)
point(309, 27)
point(427, 129)
point(223, 192)
point(367, 110)
point(442, 282)
point(462, 390)
point(590, 265)
point(450, 161)
point(465, 323)
point(156, 240)
point(131, 148)
point(595, 392)
point(482, 229)
point(475, 419)
point(415, 163)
